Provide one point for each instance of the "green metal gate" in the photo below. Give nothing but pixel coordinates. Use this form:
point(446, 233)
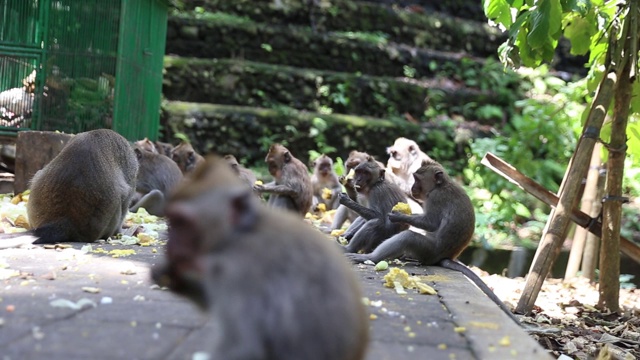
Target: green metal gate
point(75, 65)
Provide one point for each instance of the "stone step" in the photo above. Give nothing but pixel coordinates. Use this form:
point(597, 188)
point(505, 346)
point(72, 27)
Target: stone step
point(223, 36)
point(411, 24)
point(234, 82)
point(247, 132)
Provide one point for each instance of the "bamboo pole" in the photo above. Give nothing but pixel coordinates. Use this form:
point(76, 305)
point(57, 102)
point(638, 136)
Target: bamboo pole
point(590, 190)
point(555, 233)
point(594, 226)
point(592, 246)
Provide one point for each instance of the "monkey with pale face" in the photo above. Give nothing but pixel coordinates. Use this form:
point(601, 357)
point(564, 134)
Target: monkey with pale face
point(275, 288)
point(405, 157)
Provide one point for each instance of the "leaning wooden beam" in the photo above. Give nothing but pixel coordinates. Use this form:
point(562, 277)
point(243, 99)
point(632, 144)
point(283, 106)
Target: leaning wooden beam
point(594, 226)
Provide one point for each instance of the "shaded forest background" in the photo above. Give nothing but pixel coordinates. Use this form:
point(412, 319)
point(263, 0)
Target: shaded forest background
point(330, 76)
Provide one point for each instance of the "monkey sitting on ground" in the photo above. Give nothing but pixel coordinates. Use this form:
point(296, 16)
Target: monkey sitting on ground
point(324, 177)
point(275, 288)
point(449, 221)
point(343, 213)
point(291, 188)
point(247, 176)
point(379, 197)
point(84, 193)
point(146, 145)
point(405, 157)
point(186, 157)
point(163, 148)
point(157, 175)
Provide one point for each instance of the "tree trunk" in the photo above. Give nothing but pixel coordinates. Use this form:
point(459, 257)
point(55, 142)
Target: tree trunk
point(590, 190)
point(612, 207)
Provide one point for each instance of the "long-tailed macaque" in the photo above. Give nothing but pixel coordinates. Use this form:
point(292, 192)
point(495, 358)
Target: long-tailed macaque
point(449, 221)
point(186, 157)
point(84, 193)
point(274, 287)
point(291, 188)
point(157, 176)
point(324, 180)
point(163, 148)
point(405, 157)
point(246, 175)
point(379, 197)
point(146, 144)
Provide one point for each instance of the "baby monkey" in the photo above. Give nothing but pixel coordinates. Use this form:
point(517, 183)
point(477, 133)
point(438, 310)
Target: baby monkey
point(275, 288)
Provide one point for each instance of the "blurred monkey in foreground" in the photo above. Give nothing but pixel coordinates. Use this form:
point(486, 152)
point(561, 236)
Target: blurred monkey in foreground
point(276, 288)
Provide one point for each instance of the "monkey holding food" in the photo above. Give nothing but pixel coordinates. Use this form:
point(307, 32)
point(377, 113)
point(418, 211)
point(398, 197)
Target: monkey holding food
point(291, 188)
point(326, 186)
point(275, 288)
point(379, 196)
point(449, 221)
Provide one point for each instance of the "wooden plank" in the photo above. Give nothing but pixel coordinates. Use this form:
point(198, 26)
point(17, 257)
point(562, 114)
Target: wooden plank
point(34, 150)
point(507, 171)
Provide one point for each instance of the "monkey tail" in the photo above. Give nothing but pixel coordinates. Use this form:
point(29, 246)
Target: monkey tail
point(50, 234)
point(460, 267)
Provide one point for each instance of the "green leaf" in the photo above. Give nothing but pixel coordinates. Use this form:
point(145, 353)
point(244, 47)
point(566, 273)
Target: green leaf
point(581, 7)
point(633, 142)
point(546, 20)
point(579, 31)
point(499, 11)
point(515, 3)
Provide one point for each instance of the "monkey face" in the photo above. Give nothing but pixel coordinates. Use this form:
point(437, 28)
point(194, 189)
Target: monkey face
point(416, 189)
point(324, 167)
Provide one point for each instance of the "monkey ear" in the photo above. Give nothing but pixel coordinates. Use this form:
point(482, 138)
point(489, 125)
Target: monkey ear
point(382, 174)
point(412, 150)
point(287, 156)
point(369, 158)
point(138, 153)
point(243, 210)
point(438, 177)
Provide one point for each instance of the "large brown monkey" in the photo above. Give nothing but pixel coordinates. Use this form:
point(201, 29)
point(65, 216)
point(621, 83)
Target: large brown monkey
point(186, 157)
point(84, 193)
point(324, 177)
point(274, 287)
point(379, 197)
point(291, 188)
point(449, 221)
point(247, 176)
point(157, 176)
point(405, 157)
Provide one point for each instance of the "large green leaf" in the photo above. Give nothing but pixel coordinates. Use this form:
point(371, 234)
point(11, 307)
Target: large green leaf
point(499, 11)
point(579, 31)
point(546, 20)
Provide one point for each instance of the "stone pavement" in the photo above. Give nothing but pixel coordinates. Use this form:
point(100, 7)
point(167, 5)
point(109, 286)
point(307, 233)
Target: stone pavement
point(125, 317)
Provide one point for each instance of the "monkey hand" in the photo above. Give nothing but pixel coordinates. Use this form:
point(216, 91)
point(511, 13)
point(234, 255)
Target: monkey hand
point(258, 188)
point(357, 258)
point(344, 198)
point(396, 216)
